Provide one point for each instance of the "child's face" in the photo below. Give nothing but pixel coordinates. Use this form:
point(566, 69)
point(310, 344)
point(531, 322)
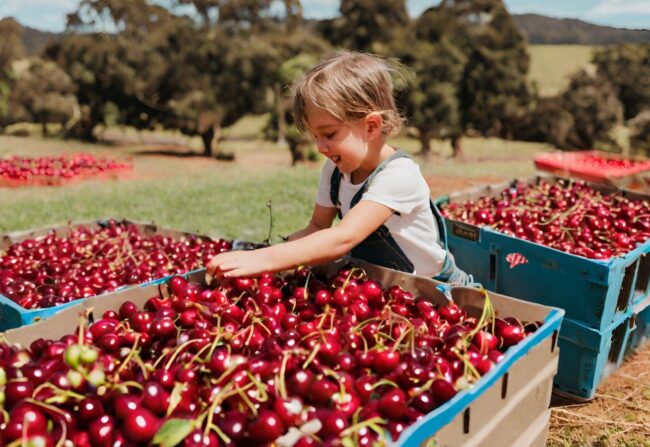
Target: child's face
point(343, 142)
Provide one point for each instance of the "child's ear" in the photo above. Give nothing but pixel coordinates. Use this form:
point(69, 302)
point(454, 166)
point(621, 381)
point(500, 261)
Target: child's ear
point(374, 124)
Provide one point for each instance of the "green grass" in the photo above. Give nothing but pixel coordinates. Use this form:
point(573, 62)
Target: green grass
point(552, 65)
point(192, 194)
point(218, 198)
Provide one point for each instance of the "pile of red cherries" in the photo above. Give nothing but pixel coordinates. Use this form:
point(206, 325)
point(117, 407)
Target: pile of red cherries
point(574, 217)
point(53, 270)
point(298, 359)
point(62, 167)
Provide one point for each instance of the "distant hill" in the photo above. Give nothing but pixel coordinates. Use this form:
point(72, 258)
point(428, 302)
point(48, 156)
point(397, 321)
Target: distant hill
point(536, 28)
point(35, 40)
point(548, 30)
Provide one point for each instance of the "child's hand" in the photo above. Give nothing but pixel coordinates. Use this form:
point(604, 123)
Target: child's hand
point(238, 263)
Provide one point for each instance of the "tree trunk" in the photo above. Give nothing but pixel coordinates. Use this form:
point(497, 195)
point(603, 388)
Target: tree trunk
point(82, 130)
point(296, 152)
point(44, 129)
point(425, 143)
point(208, 138)
point(456, 147)
point(82, 124)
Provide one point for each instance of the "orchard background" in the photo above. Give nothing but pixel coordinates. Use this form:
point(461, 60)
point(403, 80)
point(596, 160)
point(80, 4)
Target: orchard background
point(210, 152)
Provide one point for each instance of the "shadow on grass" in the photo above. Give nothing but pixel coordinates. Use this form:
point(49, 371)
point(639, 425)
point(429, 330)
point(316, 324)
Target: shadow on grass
point(180, 152)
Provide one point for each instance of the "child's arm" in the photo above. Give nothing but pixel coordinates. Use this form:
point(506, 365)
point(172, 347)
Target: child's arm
point(321, 218)
point(320, 246)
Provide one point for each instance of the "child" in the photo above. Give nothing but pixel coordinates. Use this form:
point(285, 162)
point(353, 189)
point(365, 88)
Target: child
point(387, 218)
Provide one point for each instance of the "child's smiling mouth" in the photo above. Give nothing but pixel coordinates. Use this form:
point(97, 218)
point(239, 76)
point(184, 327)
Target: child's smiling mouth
point(335, 159)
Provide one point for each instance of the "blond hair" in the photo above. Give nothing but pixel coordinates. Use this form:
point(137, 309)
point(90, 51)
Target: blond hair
point(349, 85)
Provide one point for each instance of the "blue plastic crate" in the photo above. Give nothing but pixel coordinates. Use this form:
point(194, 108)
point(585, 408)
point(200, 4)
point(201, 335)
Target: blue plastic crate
point(642, 284)
point(587, 356)
point(12, 315)
point(593, 292)
point(641, 336)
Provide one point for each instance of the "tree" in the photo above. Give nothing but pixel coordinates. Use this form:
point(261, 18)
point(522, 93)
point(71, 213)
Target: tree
point(102, 68)
point(233, 13)
point(627, 67)
point(640, 132)
point(493, 92)
point(281, 124)
point(368, 25)
point(595, 108)
point(298, 50)
point(213, 79)
point(11, 49)
point(122, 69)
point(549, 122)
point(432, 103)
point(44, 94)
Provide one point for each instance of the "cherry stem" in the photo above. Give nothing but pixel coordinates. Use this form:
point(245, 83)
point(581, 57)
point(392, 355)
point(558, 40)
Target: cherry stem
point(312, 356)
point(64, 431)
point(128, 357)
point(282, 385)
point(383, 382)
point(371, 423)
point(178, 350)
point(264, 396)
point(247, 400)
point(216, 339)
point(468, 365)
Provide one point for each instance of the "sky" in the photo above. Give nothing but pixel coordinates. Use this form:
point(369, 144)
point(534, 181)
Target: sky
point(49, 15)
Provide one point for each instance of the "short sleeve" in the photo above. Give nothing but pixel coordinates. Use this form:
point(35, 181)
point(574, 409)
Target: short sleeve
point(400, 186)
point(323, 197)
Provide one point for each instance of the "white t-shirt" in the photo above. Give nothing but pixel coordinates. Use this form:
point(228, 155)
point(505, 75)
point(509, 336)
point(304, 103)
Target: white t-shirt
point(401, 187)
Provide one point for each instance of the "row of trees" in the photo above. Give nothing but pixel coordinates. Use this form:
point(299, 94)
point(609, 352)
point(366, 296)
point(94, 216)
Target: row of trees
point(203, 71)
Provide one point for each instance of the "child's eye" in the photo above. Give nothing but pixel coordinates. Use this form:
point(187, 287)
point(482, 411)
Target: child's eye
point(330, 135)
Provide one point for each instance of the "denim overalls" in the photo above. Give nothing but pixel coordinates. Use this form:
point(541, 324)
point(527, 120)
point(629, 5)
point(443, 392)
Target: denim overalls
point(380, 248)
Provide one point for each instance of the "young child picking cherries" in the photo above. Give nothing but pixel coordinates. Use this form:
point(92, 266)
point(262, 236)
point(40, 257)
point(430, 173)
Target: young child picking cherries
point(387, 218)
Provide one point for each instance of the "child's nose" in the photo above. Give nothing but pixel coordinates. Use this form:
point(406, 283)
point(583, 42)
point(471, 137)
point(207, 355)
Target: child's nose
point(322, 145)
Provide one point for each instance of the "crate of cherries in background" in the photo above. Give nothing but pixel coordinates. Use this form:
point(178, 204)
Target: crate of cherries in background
point(570, 244)
point(338, 355)
point(596, 166)
point(42, 271)
point(17, 171)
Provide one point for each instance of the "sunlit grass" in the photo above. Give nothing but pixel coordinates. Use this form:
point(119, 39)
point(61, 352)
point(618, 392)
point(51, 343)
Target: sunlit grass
point(552, 65)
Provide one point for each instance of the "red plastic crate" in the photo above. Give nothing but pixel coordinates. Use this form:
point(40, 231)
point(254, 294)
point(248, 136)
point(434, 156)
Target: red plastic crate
point(593, 166)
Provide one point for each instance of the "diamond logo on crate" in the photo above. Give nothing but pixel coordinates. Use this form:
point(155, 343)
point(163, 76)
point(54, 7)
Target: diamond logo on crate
point(515, 259)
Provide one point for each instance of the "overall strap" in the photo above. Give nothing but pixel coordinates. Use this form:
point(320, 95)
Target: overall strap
point(442, 229)
point(398, 154)
point(335, 184)
point(335, 180)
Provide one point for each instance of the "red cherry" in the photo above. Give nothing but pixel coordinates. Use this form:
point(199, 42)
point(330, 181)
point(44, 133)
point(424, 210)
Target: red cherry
point(140, 426)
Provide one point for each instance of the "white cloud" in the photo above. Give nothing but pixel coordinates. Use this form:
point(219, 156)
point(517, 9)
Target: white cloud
point(320, 9)
point(11, 7)
point(616, 7)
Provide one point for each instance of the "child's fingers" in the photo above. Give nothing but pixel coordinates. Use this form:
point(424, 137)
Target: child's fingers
point(213, 266)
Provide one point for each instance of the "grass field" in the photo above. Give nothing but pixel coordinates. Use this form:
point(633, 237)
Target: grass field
point(552, 65)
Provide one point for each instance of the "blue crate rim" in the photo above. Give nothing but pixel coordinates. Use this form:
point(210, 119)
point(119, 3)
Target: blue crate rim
point(602, 333)
point(36, 312)
point(430, 424)
point(630, 256)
